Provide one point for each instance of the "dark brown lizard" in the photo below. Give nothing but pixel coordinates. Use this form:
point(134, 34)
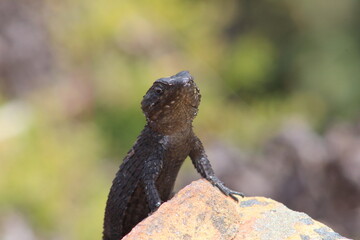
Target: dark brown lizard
point(147, 175)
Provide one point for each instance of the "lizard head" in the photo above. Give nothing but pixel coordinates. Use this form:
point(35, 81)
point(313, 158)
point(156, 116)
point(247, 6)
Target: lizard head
point(172, 101)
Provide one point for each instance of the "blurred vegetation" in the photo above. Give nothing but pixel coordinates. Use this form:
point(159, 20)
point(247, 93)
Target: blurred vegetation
point(257, 64)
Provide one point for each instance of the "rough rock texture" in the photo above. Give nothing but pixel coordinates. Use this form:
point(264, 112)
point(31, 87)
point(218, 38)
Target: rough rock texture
point(306, 171)
point(200, 211)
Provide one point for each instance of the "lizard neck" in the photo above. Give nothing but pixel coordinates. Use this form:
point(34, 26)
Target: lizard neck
point(174, 128)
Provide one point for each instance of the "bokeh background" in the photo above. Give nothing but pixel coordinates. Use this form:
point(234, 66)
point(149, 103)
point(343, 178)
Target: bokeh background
point(279, 117)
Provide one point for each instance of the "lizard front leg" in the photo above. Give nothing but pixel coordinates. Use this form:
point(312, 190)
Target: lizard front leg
point(151, 172)
point(203, 166)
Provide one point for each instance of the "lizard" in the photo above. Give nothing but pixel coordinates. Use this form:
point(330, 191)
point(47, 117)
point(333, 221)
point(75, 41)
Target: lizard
point(147, 175)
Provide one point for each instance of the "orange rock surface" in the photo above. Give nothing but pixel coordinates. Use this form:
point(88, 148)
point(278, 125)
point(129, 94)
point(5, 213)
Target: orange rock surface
point(200, 211)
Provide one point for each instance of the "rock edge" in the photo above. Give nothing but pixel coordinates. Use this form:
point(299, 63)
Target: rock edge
point(200, 211)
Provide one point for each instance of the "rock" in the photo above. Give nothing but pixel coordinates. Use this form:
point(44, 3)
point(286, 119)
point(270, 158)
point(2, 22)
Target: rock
point(200, 211)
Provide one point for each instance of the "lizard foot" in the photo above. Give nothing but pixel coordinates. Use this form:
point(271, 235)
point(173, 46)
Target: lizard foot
point(225, 190)
point(155, 207)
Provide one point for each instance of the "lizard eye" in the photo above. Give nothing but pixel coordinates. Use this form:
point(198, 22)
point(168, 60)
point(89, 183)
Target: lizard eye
point(158, 90)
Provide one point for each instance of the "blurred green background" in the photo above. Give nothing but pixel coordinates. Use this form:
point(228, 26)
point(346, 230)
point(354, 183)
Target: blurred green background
point(73, 73)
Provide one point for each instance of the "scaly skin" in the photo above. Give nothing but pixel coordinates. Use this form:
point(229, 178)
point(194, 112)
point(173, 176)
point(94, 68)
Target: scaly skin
point(147, 175)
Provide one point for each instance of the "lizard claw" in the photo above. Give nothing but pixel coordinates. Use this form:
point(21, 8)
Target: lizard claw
point(229, 192)
point(225, 190)
point(233, 193)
